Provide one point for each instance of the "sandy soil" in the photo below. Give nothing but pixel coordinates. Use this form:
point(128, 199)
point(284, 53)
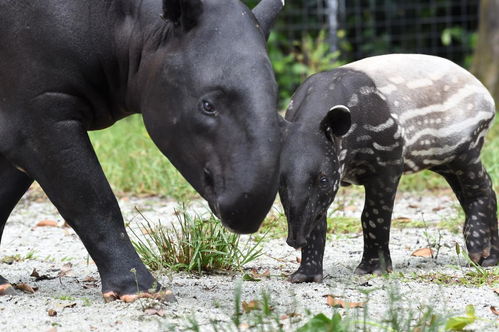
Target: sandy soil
point(76, 299)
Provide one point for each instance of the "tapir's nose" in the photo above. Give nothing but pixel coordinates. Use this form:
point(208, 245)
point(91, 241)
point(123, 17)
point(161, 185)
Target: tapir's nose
point(297, 243)
point(244, 214)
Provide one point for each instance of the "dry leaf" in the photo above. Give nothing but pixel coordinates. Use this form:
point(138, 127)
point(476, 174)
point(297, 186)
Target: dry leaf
point(25, 288)
point(494, 310)
point(47, 223)
point(496, 290)
point(413, 206)
point(250, 306)
point(402, 220)
point(298, 259)
point(332, 302)
point(423, 252)
point(157, 312)
point(66, 269)
point(52, 312)
point(438, 208)
point(39, 277)
point(244, 326)
point(89, 279)
point(289, 315)
point(256, 274)
point(52, 329)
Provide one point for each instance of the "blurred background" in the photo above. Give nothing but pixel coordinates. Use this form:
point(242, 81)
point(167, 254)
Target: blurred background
point(316, 35)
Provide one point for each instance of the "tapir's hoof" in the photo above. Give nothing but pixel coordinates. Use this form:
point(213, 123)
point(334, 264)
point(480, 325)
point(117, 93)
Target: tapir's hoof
point(480, 257)
point(299, 277)
point(7, 289)
point(162, 296)
point(376, 269)
point(492, 260)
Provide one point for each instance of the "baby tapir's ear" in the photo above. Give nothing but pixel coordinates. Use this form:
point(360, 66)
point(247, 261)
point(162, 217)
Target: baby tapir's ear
point(184, 13)
point(337, 122)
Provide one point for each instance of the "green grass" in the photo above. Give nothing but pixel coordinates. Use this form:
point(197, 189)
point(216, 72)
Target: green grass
point(197, 244)
point(134, 165)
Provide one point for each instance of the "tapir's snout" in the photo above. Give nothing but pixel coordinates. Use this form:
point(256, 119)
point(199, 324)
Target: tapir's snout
point(243, 214)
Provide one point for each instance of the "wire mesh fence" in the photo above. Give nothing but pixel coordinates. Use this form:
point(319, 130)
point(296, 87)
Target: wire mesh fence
point(361, 28)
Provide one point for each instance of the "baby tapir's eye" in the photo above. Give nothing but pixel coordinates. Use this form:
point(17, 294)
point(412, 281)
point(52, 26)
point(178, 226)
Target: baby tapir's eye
point(323, 179)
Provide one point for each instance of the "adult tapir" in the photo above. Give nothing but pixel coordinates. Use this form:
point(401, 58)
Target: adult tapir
point(369, 122)
point(198, 72)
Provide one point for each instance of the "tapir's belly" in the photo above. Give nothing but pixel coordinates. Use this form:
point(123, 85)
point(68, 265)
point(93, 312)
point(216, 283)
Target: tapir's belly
point(442, 110)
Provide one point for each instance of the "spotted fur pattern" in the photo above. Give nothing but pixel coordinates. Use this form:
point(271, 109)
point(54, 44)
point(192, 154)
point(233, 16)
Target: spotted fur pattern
point(408, 113)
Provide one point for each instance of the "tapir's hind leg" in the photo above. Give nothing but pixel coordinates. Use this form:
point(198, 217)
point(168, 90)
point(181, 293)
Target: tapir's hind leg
point(13, 184)
point(376, 220)
point(473, 188)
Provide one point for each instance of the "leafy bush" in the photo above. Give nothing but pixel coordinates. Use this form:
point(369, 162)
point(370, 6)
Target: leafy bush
point(293, 65)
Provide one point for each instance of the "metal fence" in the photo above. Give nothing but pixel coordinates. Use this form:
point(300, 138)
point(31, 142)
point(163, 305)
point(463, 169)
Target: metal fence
point(368, 27)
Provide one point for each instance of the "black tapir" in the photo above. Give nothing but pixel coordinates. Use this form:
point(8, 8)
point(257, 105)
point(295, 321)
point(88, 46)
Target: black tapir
point(197, 70)
point(369, 122)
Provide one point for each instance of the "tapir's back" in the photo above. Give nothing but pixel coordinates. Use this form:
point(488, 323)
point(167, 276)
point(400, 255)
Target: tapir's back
point(438, 105)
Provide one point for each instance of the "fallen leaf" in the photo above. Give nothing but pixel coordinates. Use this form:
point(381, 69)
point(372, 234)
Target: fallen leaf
point(402, 220)
point(438, 208)
point(52, 312)
point(264, 274)
point(332, 302)
point(66, 269)
point(494, 310)
point(250, 306)
point(496, 290)
point(25, 288)
point(157, 312)
point(46, 223)
point(244, 326)
point(413, 206)
point(423, 252)
point(52, 329)
point(39, 277)
point(298, 259)
point(289, 315)
point(249, 277)
point(89, 279)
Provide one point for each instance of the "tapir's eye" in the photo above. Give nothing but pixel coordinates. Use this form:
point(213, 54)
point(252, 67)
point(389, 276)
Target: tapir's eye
point(323, 180)
point(208, 108)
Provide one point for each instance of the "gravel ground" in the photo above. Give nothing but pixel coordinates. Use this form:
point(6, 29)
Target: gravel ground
point(76, 298)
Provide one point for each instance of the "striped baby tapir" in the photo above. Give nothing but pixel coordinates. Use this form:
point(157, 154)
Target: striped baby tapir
point(369, 122)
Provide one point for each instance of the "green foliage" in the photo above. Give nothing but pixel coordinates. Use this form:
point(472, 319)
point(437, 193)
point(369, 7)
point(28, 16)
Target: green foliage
point(293, 65)
point(321, 322)
point(196, 244)
point(460, 322)
point(134, 165)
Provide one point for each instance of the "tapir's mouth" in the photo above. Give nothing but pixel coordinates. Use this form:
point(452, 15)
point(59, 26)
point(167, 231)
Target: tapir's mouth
point(215, 208)
point(301, 240)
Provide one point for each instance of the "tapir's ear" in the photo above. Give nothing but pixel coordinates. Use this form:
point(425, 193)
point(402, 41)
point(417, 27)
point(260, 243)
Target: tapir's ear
point(266, 12)
point(337, 122)
point(183, 13)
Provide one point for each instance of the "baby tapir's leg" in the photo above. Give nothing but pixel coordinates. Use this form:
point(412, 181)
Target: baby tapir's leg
point(312, 256)
point(473, 188)
point(376, 219)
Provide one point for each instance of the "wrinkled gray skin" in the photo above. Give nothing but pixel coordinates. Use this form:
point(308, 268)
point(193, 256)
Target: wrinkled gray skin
point(369, 122)
point(199, 73)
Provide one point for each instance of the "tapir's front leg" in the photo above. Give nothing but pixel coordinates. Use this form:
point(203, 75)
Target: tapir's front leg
point(58, 154)
point(376, 220)
point(312, 256)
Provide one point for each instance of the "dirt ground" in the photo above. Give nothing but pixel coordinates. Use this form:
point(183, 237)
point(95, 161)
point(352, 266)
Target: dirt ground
point(70, 300)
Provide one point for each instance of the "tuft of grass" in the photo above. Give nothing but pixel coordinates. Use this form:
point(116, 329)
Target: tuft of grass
point(198, 244)
point(133, 164)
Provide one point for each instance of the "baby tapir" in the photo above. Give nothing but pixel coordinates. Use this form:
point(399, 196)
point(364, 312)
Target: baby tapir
point(367, 123)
